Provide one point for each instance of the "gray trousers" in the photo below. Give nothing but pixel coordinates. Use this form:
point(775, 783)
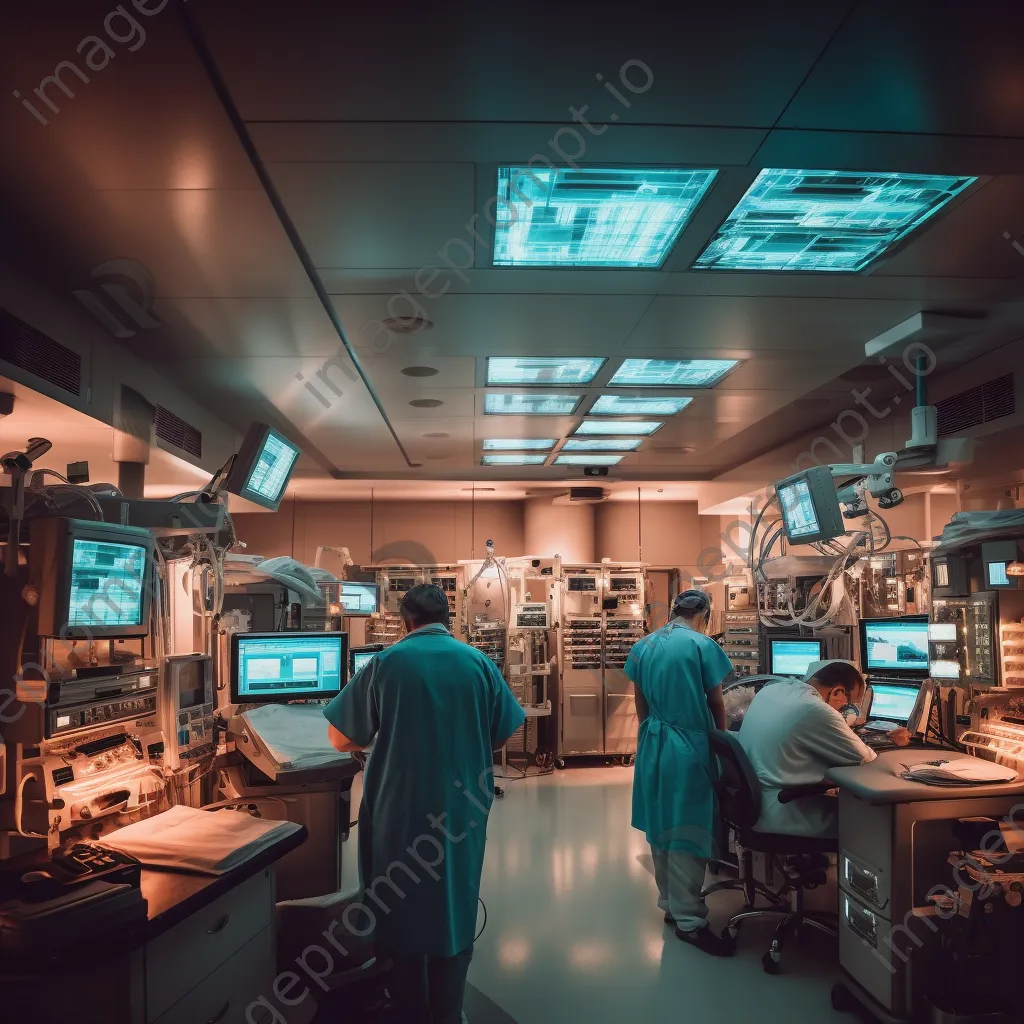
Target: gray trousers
point(680, 878)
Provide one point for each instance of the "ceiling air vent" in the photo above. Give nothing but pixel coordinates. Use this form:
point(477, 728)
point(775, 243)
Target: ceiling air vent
point(23, 346)
point(174, 430)
point(983, 404)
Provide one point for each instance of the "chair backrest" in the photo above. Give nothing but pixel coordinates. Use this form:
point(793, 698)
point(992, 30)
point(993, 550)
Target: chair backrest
point(739, 792)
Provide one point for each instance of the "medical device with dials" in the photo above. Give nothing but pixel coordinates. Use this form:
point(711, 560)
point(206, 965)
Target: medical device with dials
point(531, 616)
point(191, 702)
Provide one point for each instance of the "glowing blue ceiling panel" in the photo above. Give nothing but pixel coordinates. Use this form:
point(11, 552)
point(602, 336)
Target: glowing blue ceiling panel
point(514, 460)
point(518, 444)
point(502, 404)
point(618, 428)
point(588, 460)
point(602, 444)
point(641, 405)
point(593, 217)
point(542, 370)
point(825, 220)
point(671, 373)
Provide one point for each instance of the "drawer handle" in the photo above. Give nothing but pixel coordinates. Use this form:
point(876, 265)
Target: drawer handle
point(223, 1013)
point(219, 927)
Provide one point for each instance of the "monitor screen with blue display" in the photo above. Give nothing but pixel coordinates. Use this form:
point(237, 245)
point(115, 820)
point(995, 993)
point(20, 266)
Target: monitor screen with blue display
point(359, 598)
point(997, 576)
point(263, 466)
point(276, 667)
point(893, 703)
point(895, 646)
point(793, 657)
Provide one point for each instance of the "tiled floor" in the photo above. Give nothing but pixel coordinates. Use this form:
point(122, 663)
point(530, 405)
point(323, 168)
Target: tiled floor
point(574, 934)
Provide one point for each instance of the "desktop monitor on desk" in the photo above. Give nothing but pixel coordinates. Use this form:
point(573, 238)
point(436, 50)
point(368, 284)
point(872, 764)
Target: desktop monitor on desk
point(272, 668)
point(895, 647)
point(793, 655)
point(362, 656)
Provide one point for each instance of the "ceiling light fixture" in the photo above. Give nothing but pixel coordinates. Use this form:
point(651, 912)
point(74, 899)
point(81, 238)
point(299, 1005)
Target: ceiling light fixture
point(618, 428)
point(825, 220)
point(640, 405)
point(597, 444)
point(518, 444)
point(406, 324)
point(426, 403)
point(593, 217)
point(542, 370)
point(667, 373)
point(420, 371)
point(514, 460)
point(588, 460)
point(504, 404)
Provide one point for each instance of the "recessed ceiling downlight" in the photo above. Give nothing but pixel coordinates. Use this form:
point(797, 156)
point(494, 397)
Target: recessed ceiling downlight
point(426, 403)
point(420, 371)
point(406, 324)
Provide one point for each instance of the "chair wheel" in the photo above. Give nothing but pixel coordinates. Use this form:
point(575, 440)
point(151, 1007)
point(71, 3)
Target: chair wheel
point(560, 763)
point(770, 964)
point(842, 999)
point(731, 932)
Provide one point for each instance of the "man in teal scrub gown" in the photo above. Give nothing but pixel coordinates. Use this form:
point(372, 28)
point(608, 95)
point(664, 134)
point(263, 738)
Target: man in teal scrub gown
point(435, 710)
point(678, 673)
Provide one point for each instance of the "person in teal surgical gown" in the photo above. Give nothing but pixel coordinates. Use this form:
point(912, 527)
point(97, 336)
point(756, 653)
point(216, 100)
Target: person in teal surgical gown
point(435, 710)
point(678, 674)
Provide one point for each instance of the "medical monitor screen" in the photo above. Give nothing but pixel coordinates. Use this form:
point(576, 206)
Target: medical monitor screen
point(277, 667)
point(893, 703)
point(798, 509)
point(794, 657)
point(810, 506)
point(359, 598)
point(896, 645)
point(107, 581)
point(996, 573)
point(263, 466)
point(361, 659)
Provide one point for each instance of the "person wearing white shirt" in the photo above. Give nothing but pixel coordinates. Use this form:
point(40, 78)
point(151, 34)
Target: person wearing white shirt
point(795, 731)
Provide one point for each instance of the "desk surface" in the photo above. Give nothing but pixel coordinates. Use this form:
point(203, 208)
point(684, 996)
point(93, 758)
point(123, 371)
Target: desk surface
point(879, 782)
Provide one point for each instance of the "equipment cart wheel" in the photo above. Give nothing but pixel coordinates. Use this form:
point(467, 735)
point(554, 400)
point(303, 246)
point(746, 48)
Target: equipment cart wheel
point(499, 792)
point(629, 760)
point(560, 763)
point(770, 964)
point(842, 999)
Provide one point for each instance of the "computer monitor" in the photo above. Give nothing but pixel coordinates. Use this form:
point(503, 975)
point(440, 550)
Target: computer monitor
point(792, 656)
point(896, 646)
point(359, 598)
point(362, 656)
point(891, 702)
point(810, 506)
point(270, 668)
point(94, 580)
point(263, 466)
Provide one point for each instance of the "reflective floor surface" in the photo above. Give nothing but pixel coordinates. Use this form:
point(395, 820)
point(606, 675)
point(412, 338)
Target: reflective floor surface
point(574, 934)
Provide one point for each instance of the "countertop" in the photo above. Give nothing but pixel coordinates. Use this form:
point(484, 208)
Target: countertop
point(879, 782)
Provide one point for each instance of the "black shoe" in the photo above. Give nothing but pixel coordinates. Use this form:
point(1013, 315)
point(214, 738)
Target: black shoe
point(669, 919)
point(705, 939)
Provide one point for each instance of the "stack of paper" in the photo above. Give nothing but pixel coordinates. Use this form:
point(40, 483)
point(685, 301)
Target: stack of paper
point(962, 771)
point(208, 842)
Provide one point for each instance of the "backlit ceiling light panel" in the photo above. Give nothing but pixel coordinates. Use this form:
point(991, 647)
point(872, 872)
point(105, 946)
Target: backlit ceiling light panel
point(602, 444)
point(542, 370)
point(825, 220)
point(672, 373)
point(518, 444)
point(588, 460)
point(641, 405)
point(620, 428)
point(593, 217)
point(514, 460)
point(503, 404)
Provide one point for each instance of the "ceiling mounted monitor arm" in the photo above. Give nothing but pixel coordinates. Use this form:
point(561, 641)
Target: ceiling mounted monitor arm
point(875, 478)
point(17, 465)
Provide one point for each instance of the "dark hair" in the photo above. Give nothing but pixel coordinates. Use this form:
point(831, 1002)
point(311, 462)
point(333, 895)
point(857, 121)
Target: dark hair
point(691, 603)
point(424, 605)
point(840, 673)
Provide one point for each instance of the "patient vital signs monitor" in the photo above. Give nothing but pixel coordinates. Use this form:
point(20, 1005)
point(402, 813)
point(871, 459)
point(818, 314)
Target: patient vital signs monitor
point(277, 667)
point(793, 656)
point(896, 646)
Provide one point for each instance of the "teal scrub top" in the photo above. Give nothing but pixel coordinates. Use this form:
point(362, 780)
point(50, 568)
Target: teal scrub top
point(435, 710)
point(675, 668)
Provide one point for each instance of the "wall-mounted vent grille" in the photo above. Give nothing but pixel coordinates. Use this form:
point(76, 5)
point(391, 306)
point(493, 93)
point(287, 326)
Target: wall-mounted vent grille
point(23, 346)
point(174, 430)
point(983, 404)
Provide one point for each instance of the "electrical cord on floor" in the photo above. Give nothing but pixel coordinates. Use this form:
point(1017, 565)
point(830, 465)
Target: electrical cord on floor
point(483, 927)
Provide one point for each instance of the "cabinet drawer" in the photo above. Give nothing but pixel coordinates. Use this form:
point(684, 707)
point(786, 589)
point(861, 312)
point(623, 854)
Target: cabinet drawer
point(224, 996)
point(178, 960)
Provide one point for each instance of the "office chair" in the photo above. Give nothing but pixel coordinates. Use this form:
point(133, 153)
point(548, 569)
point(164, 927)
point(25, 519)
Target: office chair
point(739, 798)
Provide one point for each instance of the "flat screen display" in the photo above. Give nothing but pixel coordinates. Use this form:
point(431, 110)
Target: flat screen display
point(944, 669)
point(896, 645)
point(798, 510)
point(272, 469)
point(942, 632)
point(941, 574)
point(275, 667)
point(893, 703)
point(191, 683)
point(107, 581)
point(361, 659)
point(794, 657)
point(359, 598)
point(997, 577)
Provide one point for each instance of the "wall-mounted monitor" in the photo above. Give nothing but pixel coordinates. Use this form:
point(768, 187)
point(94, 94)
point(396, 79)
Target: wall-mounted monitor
point(810, 506)
point(995, 557)
point(793, 656)
point(949, 576)
point(263, 466)
point(896, 646)
point(95, 580)
point(271, 668)
point(359, 598)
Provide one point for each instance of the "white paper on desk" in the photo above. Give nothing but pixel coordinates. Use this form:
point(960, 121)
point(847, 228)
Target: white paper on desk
point(208, 842)
point(964, 769)
point(295, 735)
